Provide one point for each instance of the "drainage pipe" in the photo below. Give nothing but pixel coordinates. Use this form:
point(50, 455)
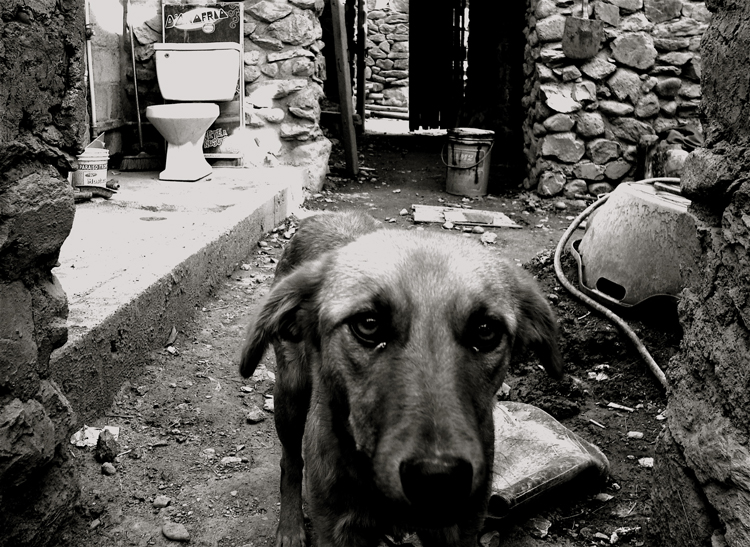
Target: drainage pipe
point(590, 302)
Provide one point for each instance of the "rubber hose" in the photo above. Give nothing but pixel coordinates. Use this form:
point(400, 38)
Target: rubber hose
point(617, 320)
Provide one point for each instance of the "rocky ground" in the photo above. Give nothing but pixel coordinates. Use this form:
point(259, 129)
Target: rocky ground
point(197, 456)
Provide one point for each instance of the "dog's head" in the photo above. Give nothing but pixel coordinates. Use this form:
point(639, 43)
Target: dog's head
point(410, 336)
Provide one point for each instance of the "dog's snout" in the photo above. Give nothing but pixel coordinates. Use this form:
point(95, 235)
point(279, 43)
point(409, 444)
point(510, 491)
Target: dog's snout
point(435, 485)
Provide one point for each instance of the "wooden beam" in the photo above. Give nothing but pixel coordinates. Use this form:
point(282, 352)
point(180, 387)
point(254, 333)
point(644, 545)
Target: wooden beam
point(361, 54)
point(343, 75)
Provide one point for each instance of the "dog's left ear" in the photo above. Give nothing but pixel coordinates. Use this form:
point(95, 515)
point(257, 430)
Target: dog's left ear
point(280, 314)
point(537, 325)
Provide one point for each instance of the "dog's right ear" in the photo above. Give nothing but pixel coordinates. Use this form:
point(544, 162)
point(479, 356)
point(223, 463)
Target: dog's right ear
point(280, 314)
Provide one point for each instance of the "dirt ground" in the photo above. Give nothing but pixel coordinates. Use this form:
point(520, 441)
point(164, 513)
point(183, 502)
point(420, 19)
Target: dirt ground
point(188, 454)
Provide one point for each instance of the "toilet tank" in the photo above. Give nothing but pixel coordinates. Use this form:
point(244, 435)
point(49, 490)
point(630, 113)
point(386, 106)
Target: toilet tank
point(198, 72)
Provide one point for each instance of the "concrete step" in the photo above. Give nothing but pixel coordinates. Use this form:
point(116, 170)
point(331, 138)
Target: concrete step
point(143, 261)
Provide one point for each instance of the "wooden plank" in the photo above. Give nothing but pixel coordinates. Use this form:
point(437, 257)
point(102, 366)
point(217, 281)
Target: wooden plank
point(462, 217)
point(343, 75)
point(361, 54)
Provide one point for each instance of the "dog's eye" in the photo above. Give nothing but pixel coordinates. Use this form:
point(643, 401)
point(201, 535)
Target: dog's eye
point(484, 334)
point(368, 328)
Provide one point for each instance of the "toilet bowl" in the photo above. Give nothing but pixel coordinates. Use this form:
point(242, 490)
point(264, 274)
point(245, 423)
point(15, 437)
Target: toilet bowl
point(183, 126)
point(188, 73)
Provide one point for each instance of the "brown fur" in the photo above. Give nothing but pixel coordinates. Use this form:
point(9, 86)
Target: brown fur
point(390, 347)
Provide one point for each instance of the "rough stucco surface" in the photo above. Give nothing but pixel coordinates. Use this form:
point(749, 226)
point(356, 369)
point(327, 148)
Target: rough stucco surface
point(709, 402)
point(42, 123)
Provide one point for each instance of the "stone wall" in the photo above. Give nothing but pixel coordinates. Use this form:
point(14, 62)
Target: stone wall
point(387, 61)
point(590, 122)
point(283, 71)
point(42, 125)
point(702, 481)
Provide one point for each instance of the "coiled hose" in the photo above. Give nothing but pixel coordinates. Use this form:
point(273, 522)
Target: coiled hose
point(590, 302)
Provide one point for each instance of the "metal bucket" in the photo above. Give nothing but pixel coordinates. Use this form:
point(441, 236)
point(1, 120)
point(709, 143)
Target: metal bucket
point(468, 161)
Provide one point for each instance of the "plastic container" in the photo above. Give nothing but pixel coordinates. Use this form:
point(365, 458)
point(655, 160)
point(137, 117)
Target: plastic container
point(467, 157)
point(92, 168)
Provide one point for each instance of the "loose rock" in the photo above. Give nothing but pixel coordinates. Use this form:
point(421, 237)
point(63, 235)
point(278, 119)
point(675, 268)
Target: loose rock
point(161, 501)
point(108, 469)
point(175, 531)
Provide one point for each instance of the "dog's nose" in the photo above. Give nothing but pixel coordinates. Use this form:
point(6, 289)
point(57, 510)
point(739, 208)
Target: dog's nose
point(437, 484)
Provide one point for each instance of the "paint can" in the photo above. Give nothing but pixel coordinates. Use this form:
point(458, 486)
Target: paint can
point(467, 157)
point(92, 168)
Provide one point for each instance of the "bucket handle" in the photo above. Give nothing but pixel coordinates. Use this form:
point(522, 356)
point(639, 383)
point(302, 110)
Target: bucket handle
point(442, 157)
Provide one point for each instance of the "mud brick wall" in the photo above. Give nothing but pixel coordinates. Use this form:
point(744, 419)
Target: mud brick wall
point(589, 122)
point(284, 71)
point(42, 124)
point(702, 479)
point(387, 61)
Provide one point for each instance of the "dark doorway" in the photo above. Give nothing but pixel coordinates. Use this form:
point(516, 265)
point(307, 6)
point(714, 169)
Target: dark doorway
point(437, 62)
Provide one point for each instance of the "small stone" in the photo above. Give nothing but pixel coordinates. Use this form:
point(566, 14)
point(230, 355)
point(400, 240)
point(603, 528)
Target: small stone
point(175, 531)
point(488, 238)
point(403, 212)
point(538, 527)
point(230, 460)
point(635, 434)
point(106, 447)
point(646, 462)
point(161, 501)
point(209, 453)
point(268, 404)
point(477, 230)
point(560, 205)
point(598, 188)
point(255, 415)
point(603, 497)
point(94, 524)
point(108, 469)
point(448, 225)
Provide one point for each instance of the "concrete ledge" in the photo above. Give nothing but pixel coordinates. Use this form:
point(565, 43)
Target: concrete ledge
point(143, 261)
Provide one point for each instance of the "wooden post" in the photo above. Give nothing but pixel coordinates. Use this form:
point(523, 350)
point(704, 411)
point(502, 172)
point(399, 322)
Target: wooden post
point(361, 54)
point(343, 75)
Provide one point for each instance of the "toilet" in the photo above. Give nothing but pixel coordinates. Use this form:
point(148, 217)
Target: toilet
point(195, 77)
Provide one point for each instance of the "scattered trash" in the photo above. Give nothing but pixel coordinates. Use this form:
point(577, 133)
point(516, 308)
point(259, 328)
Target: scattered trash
point(87, 437)
point(460, 216)
point(662, 416)
point(247, 389)
point(539, 455)
point(597, 424)
point(620, 407)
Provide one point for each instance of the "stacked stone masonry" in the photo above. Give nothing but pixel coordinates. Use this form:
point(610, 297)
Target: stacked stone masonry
point(42, 128)
point(387, 61)
point(590, 122)
point(284, 69)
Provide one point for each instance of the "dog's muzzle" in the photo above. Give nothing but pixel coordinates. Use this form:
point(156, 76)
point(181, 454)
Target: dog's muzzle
point(436, 487)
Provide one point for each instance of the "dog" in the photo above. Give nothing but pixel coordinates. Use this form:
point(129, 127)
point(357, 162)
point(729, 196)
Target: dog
point(390, 347)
